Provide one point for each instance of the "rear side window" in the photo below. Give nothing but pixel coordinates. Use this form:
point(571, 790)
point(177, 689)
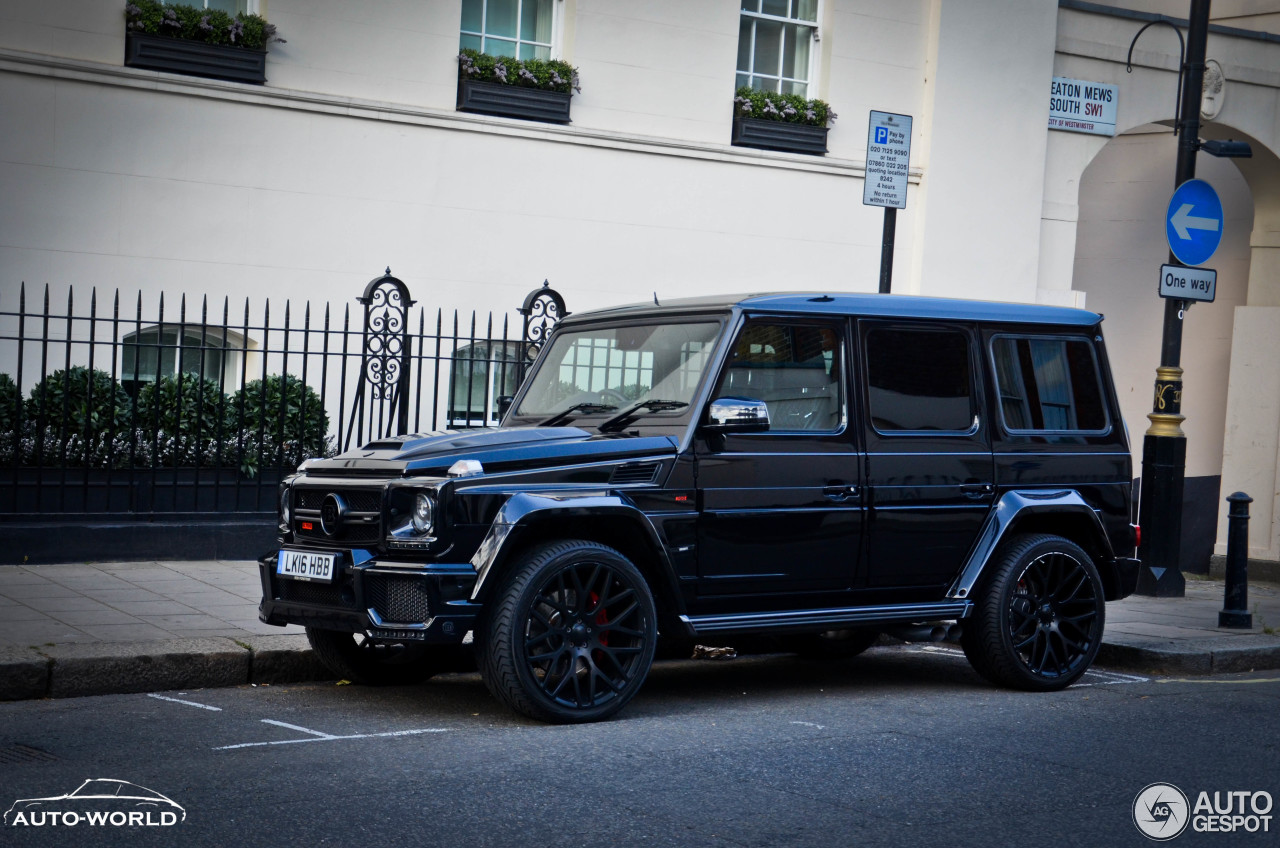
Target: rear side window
point(1048, 384)
point(919, 380)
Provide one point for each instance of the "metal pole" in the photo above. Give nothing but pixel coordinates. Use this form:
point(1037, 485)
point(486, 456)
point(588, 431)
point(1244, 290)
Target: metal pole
point(1164, 447)
point(1235, 602)
point(886, 248)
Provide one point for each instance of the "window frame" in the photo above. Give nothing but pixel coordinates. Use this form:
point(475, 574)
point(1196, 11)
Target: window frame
point(495, 370)
point(843, 339)
point(1055, 337)
point(814, 40)
point(866, 328)
point(231, 345)
point(553, 49)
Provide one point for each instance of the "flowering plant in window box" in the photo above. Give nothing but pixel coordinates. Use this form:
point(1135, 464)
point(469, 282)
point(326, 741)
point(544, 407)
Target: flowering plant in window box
point(787, 122)
point(532, 89)
point(198, 42)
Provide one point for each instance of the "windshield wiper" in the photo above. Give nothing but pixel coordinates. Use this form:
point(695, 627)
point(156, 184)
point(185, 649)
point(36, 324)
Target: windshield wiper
point(630, 414)
point(566, 415)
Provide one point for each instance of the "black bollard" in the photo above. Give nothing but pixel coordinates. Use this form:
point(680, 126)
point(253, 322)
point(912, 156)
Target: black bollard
point(1235, 606)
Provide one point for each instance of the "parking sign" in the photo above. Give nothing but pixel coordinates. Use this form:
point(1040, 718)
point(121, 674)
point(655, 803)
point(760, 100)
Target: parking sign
point(888, 155)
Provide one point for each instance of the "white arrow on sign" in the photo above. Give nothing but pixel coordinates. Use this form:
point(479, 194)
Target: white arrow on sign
point(1183, 221)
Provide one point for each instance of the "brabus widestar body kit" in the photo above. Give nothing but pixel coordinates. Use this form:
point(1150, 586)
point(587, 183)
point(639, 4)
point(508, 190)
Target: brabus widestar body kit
point(816, 468)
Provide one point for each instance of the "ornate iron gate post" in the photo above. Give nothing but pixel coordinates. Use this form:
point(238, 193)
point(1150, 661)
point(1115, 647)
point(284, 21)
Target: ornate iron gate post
point(543, 308)
point(382, 392)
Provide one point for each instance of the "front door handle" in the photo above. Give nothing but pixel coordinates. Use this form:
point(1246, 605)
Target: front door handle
point(977, 490)
point(840, 494)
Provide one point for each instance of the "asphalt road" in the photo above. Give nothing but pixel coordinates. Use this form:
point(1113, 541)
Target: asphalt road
point(903, 746)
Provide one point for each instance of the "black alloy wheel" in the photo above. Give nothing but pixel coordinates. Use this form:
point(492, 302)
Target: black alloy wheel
point(572, 635)
point(1038, 625)
point(373, 662)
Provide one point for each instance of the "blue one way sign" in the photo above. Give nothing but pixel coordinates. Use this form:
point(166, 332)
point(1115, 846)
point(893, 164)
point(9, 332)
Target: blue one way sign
point(1193, 224)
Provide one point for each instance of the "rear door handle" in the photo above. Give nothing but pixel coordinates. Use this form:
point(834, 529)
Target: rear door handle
point(977, 490)
point(841, 493)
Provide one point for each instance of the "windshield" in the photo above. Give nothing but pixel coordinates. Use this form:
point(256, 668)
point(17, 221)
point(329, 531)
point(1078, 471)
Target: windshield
point(604, 369)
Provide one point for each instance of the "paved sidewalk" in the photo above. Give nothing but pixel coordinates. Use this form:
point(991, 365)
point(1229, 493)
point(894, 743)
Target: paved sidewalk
point(99, 628)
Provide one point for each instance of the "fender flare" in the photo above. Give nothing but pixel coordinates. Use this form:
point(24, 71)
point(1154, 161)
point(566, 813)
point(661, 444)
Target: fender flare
point(1011, 507)
point(524, 509)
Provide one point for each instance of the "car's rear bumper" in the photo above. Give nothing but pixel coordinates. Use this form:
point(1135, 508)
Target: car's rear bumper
point(1125, 580)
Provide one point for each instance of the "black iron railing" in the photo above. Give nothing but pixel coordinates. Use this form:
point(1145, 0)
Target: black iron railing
point(117, 406)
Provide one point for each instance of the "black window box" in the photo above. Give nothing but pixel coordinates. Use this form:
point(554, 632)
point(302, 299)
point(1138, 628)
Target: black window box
point(513, 101)
point(779, 135)
point(195, 58)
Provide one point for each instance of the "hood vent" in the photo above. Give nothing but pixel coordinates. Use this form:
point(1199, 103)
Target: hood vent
point(635, 473)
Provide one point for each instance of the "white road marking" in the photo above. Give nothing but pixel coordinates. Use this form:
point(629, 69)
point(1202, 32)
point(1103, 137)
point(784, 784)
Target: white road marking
point(295, 727)
point(188, 703)
point(809, 724)
point(1094, 676)
point(327, 738)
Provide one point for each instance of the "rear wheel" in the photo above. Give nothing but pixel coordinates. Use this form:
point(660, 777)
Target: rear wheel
point(355, 657)
point(1038, 625)
point(572, 635)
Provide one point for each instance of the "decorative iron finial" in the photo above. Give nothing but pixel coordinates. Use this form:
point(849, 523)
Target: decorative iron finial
point(388, 270)
point(655, 299)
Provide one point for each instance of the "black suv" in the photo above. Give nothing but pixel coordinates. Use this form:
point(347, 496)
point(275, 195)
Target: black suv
point(816, 468)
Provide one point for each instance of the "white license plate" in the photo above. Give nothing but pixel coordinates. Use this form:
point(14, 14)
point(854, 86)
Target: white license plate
point(306, 565)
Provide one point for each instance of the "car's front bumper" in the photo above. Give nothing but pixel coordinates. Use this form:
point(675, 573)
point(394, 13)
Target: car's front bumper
point(388, 600)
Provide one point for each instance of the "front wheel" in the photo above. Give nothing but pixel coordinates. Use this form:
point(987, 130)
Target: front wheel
point(1038, 623)
point(572, 634)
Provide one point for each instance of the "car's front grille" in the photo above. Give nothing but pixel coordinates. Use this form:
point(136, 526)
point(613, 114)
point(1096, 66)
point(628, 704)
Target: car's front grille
point(397, 599)
point(357, 500)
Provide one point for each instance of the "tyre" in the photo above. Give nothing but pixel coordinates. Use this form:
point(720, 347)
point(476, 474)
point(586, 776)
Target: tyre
point(571, 635)
point(1039, 619)
point(833, 644)
point(355, 657)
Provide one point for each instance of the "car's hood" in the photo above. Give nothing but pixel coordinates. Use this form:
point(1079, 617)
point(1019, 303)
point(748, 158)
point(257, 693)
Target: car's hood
point(501, 449)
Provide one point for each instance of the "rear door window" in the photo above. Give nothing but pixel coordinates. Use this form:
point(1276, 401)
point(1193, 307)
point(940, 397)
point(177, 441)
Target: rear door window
point(1048, 385)
point(919, 380)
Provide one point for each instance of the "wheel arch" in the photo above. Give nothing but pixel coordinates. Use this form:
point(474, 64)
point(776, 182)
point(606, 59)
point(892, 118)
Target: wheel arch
point(526, 521)
point(1058, 513)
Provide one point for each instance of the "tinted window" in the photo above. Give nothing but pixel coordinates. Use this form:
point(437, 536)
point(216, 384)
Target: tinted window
point(794, 369)
point(919, 380)
point(1048, 384)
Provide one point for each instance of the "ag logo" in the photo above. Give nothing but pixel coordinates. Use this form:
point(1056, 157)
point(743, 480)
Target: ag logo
point(1161, 811)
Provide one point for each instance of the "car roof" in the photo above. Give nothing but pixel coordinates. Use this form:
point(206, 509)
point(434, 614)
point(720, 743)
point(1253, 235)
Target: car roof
point(873, 305)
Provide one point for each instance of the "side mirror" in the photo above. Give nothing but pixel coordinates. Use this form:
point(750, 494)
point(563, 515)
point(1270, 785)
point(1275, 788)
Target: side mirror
point(504, 404)
point(737, 415)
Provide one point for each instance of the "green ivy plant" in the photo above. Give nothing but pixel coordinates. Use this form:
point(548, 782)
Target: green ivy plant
point(189, 23)
point(305, 422)
point(788, 108)
point(185, 404)
point(80, 402)
point(546, 74)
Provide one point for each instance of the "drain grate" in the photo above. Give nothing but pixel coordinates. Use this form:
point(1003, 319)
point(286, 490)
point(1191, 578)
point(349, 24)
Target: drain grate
point(14, 754)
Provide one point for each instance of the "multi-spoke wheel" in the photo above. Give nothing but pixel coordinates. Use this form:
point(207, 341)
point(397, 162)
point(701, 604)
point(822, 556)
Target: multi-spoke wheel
point(572, 635)
point(355, 657)
point(1039, 621)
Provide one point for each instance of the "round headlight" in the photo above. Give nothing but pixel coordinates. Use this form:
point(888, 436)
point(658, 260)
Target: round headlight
point(423, 513)
point(284, 505)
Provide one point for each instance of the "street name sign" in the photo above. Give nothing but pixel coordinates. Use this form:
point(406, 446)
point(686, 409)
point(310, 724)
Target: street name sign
point(1082, 106)
point(1193, 223)
point(1188, 283)
point(888, 156)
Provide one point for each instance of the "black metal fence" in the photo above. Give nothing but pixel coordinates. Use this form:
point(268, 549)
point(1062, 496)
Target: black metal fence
point(116, 407)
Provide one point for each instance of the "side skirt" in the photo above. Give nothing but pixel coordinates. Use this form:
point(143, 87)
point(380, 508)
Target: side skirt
point(828, 618)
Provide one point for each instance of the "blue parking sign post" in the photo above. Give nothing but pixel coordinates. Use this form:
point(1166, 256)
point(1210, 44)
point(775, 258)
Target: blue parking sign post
point(1193, 224)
